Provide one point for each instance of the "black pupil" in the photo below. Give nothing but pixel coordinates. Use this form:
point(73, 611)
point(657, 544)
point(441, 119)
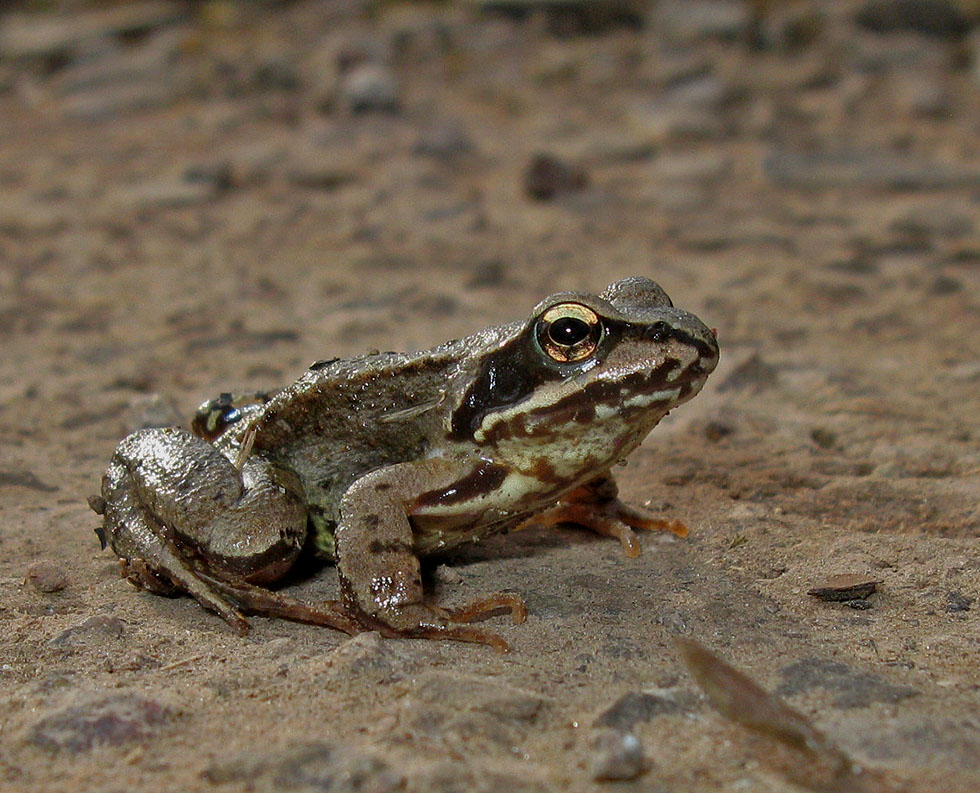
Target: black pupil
point(568, 331)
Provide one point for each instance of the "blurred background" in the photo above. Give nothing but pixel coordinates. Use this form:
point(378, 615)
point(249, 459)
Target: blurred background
point(198, 197)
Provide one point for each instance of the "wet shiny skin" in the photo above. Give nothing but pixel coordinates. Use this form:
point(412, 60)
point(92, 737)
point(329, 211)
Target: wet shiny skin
point(376, 461)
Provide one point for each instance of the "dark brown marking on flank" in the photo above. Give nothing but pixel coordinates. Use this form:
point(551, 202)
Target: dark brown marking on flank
point(371, 521)
point(544, 471)
point(389, 546)
point(485, 478)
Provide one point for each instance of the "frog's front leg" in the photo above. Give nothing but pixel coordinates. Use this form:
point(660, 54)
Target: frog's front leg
point(379, 570)
point(596, 506)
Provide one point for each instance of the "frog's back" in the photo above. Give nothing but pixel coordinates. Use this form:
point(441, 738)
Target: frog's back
point(343, 418)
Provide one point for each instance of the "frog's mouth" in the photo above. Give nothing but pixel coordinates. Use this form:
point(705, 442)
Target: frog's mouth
point(642, 396)
point(523, 390)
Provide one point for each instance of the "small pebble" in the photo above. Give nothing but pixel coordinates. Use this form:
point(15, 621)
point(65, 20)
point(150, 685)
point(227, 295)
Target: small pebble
point(46, 576)
point(95, 630)
point(714, 431)
point(111, 720)
point(824, 438)
point(957, 601)
point(547, 177)
point(370, 87)
point(847, 587)
point(615, 755)
point(942, 18)
point(447, 575)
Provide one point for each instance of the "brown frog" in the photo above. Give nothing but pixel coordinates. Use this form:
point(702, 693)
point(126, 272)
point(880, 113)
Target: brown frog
point(379, 460)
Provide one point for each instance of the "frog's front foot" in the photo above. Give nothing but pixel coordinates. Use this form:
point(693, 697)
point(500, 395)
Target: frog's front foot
point(380, 575)
point(596, 506)
point(424, 621)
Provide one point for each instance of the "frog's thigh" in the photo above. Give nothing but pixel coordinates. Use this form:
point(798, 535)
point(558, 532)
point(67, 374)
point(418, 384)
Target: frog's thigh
point(376, 559)
point(139, 539)
point(166, 488)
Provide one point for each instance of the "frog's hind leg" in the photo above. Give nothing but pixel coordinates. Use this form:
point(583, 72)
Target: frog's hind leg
point(149, 561)
point(596, 506)
point(176, 508)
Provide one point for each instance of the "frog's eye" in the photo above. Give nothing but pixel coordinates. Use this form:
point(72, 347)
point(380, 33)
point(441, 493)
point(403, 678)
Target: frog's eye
point(569, 332)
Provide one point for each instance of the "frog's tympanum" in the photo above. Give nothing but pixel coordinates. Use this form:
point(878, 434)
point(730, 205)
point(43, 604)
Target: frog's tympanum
point(376, 461)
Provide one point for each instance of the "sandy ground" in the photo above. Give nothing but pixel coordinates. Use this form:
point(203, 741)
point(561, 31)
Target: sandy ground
point(197, 199)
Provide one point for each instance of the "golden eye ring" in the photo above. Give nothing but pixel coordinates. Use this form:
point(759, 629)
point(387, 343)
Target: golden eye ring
point(569, 332)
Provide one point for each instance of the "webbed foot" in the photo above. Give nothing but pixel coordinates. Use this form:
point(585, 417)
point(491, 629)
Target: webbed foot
point(424, 621)
point(596, 506)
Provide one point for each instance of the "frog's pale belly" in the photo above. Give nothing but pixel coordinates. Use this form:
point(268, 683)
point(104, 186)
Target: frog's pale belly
point(494, 498)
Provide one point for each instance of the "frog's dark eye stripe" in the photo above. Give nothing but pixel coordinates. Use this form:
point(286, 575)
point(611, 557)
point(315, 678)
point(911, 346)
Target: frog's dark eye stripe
point(569, 332)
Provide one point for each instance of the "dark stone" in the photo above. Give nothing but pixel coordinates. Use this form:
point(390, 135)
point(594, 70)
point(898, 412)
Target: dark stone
point(488, 274)
point(942, 18)
point(853, 689)
point(108, 721)
point(547, 177)
point(824, 438)
point(634, 707)
point(97, 629)
point(845, 587)
point(957, 601)
point(714, 431)
point(567, 17)
point(945, 285)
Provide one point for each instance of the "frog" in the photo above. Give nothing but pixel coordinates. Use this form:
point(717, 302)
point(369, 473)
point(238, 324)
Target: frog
point(377, 462)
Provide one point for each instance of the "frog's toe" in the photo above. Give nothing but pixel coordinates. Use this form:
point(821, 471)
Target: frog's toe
point(142, 576)
point(439, 629)
point(425, 621)
point(646, 520)
point(611, 518)
point(264, 603)
point(491, 606)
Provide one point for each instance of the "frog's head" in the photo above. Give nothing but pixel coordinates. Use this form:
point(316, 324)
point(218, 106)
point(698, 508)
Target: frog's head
point(611, 364)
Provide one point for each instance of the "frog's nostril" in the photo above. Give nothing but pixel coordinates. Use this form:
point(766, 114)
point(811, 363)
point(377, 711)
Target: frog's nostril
point(659, 331)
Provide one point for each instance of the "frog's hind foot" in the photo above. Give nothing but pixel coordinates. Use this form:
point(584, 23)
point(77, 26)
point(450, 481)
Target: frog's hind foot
point(436, 623)
point(425, 621)
point(491, 606)
point(142, 576)
point(596, 506)
point(261, 602)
